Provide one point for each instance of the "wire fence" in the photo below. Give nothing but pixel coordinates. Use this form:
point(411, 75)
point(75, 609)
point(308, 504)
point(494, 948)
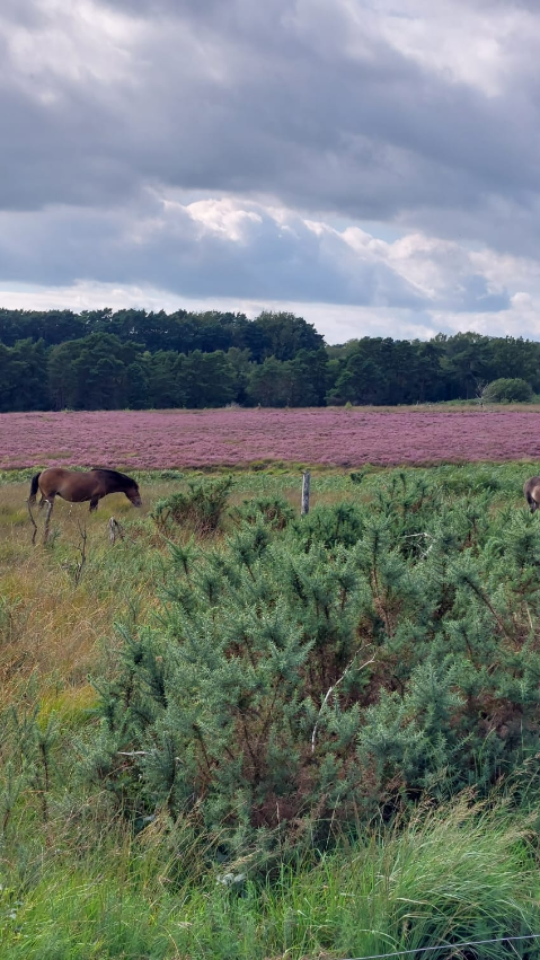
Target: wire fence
point(446, 946)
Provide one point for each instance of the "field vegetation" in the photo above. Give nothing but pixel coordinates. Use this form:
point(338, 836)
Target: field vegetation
point(243, 439)
point(238, 733)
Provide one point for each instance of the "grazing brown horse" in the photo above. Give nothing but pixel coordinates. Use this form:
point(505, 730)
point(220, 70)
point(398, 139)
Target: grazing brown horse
point(76, 487)
point(531, 489)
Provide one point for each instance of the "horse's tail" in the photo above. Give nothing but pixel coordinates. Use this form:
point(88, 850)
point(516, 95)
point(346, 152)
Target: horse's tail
point(34, 486)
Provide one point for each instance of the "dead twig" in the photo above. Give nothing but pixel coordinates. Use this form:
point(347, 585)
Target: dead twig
point(116, 530)
point(329, 693)
point(79, 566)
point(33, 522)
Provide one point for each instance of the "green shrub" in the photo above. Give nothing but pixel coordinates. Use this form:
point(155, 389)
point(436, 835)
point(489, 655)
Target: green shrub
point(274, 511)
point(350, 662)
point(509, 390)
point(201, 507)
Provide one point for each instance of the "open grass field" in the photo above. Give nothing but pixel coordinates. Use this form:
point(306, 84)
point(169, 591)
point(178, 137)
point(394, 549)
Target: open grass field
point(428, 576)
point(155, 440)
point(62, 632)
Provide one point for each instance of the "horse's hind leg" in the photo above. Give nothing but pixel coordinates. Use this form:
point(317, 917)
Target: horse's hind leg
point(94, 504)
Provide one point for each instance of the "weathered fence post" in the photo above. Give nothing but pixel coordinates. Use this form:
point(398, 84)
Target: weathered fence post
point(305, 492)
point(115, 529)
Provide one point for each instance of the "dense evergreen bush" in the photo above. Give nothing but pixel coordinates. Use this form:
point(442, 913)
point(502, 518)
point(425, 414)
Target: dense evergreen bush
point(305, 677)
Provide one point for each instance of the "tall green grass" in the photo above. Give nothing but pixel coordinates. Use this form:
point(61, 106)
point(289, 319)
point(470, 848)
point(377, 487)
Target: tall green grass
point(461, 873)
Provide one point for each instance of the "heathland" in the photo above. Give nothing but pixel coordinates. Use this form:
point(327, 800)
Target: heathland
point(242, 438)
point(236, 732)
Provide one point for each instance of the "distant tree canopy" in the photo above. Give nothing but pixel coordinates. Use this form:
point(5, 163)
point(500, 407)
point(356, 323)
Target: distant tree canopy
point(102, 359)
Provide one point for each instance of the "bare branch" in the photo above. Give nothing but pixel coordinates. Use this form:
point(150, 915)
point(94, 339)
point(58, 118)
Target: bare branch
point(329, 693)
point(116, 530)
point(34, 524)
point(82, 549)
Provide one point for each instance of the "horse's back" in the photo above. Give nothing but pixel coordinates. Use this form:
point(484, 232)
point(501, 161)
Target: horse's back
point(51, 477)
point(72, 485)
point(53, 473)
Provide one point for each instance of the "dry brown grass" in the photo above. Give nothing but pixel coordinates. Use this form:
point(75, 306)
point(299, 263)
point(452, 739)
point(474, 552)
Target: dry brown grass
point(56, 632)
point(52, 628)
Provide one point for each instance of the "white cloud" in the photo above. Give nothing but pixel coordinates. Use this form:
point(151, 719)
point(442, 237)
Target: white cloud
point(223, 217)
point(231, 255)
point(79, 43)
point(227, 247)
point(336, 323)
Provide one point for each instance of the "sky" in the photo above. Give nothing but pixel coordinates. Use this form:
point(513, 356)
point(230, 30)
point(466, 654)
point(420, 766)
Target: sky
point(370, 165)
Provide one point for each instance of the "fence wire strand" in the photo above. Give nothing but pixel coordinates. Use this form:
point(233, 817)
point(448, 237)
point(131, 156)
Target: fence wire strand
point(445, 946)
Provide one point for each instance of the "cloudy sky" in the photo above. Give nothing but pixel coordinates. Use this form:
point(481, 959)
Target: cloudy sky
point(372, 165)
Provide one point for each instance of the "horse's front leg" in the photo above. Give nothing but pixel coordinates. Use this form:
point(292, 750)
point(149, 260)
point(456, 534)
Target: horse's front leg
point(94, 504)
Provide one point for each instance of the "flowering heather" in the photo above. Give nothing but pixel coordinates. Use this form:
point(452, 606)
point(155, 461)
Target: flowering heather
point(232, 437)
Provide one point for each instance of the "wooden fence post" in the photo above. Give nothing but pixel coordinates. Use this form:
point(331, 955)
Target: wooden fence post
point(305, 492)
point(115, 529)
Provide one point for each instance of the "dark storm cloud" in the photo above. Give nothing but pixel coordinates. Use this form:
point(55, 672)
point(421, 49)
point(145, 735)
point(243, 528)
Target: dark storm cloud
point(331, 109)
point(244, 97)
point(52, 156)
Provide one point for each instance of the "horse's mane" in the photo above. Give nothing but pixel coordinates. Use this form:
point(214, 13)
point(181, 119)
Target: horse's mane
point(114, 474)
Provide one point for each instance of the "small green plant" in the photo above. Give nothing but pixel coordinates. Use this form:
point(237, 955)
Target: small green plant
point(169, 475)
point(201, 506)
point(274, 511)
point(357, 476)
point(10, 612)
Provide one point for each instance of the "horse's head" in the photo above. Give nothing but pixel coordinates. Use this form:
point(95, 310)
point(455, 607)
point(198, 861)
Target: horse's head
point(133, 494)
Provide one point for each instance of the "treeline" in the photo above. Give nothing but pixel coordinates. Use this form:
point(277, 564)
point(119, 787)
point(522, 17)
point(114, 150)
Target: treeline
point(134, 359)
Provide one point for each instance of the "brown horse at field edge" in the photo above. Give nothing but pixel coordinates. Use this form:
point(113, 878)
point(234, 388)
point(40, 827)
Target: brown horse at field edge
point(531, 489)
point(77, 487)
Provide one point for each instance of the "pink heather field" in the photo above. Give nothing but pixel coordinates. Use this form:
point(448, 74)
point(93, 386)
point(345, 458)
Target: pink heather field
point(338, 437)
